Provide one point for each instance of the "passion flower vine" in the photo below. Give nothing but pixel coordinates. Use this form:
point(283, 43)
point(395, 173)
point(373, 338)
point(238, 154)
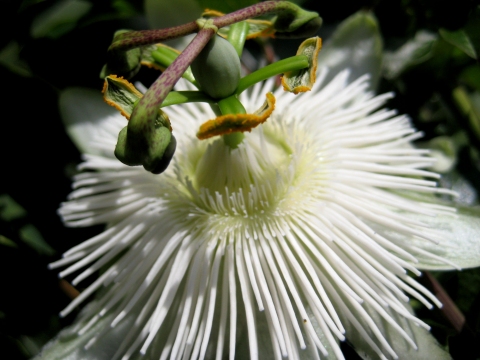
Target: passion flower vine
point(280, 243)
point(215, 62)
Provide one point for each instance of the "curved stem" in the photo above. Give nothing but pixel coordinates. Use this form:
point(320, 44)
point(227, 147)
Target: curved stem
point(144, 114)
point(165, 57)
point(252, 12)
point(133, 39)
point(280, 67)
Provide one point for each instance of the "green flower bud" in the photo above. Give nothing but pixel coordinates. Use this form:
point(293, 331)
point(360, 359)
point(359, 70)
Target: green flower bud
point(154, 156)
point(217, 68)
point(122, 63)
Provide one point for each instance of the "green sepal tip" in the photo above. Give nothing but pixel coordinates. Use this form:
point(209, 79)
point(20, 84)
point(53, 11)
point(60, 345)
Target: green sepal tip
point(155, 155)
point(295, 22)
point(122, 63)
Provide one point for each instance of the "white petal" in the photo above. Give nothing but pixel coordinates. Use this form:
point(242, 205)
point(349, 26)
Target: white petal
point(460, 245)
point(297, 239)
point(84, 114)
point(428, 347)
point(67, 345)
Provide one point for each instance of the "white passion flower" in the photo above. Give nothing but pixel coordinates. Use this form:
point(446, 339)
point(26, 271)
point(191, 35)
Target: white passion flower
point(299, 238)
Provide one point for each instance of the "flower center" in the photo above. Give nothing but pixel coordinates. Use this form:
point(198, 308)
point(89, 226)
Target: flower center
point(247, 181)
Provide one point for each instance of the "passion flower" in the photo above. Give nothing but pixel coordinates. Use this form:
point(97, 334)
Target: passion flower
point(217, 68)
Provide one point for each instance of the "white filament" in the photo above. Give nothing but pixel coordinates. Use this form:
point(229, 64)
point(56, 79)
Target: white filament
point(291, 230)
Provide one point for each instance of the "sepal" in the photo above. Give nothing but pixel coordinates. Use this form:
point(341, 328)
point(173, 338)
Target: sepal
point(154, 148)
point(303, 80)
point(230, 123)
point(120, 94)
point(256, 27)
point(122, 63)
point(295, 22)
point(155, 155)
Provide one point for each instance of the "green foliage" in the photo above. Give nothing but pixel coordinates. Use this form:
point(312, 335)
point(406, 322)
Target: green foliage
point(470, 76)
point(7, 242)
point(164, 13)
point(413, 52)
point(10, 209)
point(14, 218)
point(466, 39)
point(428, 347)
point(124, 8)
point(59, 19)
point(10, 58)
point(469, 105)
point(32, 237)
point(225, 6)
point(462, 40)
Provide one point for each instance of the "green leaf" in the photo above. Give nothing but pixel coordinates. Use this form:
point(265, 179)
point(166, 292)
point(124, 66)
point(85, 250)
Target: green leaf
point(10, 58)
point(162, 56)
point(356, 45)
point(468, 38)
point(471, 76)
point(7, 242)
point(460, 39)
point(225, 6)
point(468, 290)
point(83, 111)
point(10, 209)
point(124, 8)
point(165, 13)
point(413, 52)
point(59, 19)
point(32, 237)
point(428, 347)
point(469, 105)
point(25, 4)
point(229, 6)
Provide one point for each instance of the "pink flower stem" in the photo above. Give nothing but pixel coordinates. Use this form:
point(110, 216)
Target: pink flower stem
point(145, 113)
point(252, 11)
point(133, 39)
